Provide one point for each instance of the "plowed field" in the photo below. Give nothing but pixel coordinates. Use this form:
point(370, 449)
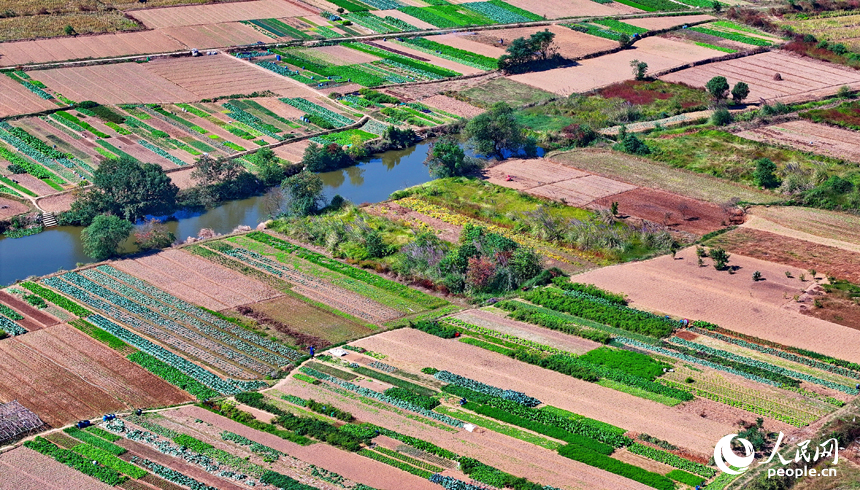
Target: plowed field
point(224, 12)
point(811, 137)
point(25, 469)
point(16, 99)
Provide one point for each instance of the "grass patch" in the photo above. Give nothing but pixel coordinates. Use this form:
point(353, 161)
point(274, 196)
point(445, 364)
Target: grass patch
point(502, 89)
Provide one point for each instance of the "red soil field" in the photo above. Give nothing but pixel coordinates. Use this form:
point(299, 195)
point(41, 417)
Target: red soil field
point(681, 288)
point(63, 376)
point(82, 47)
point(114, 84)
point(415, 350)
point(222, 12)
point(687, 214)
point(453, 106)
point(33, 319)
point(571, 44)
point(208, 36)
point(15, 99)
point(808, 136)
point(12, 207)
point(25, 469)
point(211, 76)
point(802, 78)
point(594, 73)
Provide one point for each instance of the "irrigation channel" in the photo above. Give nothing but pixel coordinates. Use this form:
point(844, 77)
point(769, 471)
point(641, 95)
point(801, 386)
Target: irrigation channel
point(373, 180)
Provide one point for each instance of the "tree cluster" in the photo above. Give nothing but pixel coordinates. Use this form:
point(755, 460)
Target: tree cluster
point(524, 54)
point(498, 133)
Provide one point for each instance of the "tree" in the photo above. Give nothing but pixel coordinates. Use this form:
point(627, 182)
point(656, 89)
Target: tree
point(69, 30)
point(126, 188)
point(320, 159)
point(718, 7)
point(210, 171)
point(102, 238)
point(740, 92)
point(519, 53)
point(624, 40)
point(303, 192)
point(721, 117)
point(399, 138)
point(525, 264)
point(765, 174)
point(720, 258)
point(495, 131)
point(639, 69)
point(153, 235)
point(446, 158)
point(541, 42)
point(718, 87)
point(271, 171)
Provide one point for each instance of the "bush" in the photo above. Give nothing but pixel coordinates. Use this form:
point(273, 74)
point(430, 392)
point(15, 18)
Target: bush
point(434, 328)
point(721, 117)
point(765, 174)
point(630, 362)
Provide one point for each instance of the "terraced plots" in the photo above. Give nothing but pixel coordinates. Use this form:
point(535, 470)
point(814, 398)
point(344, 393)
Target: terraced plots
point(14, 311)
point(811, 137)
point(63, 376)
point(25, 469)
point(16, 99)
point(225, 12)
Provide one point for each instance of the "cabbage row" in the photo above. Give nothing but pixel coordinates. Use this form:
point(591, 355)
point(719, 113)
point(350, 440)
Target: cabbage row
point(514, 396)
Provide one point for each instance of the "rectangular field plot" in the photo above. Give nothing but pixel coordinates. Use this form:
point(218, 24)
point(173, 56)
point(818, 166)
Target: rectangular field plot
point(63, 376)
point(224, 12)
point(663, 22)
point(811, 137)
point(802, 78)
point(553, 9)
point(25, 469)
point(16, 99)
point(114, 84)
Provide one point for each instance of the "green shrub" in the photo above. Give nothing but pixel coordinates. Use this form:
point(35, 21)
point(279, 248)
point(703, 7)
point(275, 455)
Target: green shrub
point(634, 363)
point(635, 473)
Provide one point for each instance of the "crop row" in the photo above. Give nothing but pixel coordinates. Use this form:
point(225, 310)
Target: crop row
point(671, 460)
point(31, 168)
point(461, 56)
point(32, 153)
point(504, 337)
point(175, 314)
point(109, 460)
point(514, 396)
point(10, 313)
point(164, 325)
point(58, 300)
point(401, 465)
point(635, 473)
point(199, 313)
point(69, 458)
point(269, 454)
point(75, 123)
point(158, 151)
point(11, 327)
point(383, 398)
point(733, 36)
point(172, 375)
point(495, 12)
point(372, 22)
point(33, 142)
point(619, 26)
point(308, 107)
point(780, 353)
point(253, 121)
point(548, 318)
point(95, 441)
point(425, 300)
point(765, 366)
point(171, 475)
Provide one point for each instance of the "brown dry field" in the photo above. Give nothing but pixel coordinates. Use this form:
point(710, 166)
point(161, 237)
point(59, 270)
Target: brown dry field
point(551, 180)
point(553, 9)
point(350, 465)
point(571, 44)
point(224, 12)
point(15, 99)
point(208, 36)
point(36, 185)
point(25, 469)
point(415, 350)
point(468, 41)
point(497, 320)
point(808, 136)
point(182, 178)
point(63, 376)
point(827, 260)
point(312, 320)
point(197, 282)
point(657, 23)
point(647, 173)
point(594, 73)
point(733, 301)
point(451, 105)
point(34, 319)
point(114, 84)
point(37, 26)
point(698, 217)
point(11, 207)
point(841, 228)
point(57, 203)
point(404, 17)
point(802, 78)
point(292, 151)
point(211, 76)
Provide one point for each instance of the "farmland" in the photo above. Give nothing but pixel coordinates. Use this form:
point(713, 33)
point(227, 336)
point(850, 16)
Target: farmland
point(573, 296)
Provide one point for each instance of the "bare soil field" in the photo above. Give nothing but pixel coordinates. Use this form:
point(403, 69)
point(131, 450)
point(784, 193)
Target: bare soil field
point(802, 78)
point(25, 469)
point(657, 23)
point(208, 36)
point(34, 184)
point(11, 207)
point(831, 225)
point(33, 318)
point(503, 89)
point(404, 17)
point(553, 9)
point(808, 136)
point(497, 320)
point(292, 151)
point(590, 74)
point(451, 105)
point(309, 319)
point(571, 44)
point(16, 99)
point(415, 350)
point(211, 76)
point(646, 173)
point(468, 41)
point(782, 249)
point(114, 84)
point(551, 180)
point(197, 282)
point(733, 301)
point(223, 12)
point(63, 376)
point(83, 47)
point(182, 178)
point(675, 211)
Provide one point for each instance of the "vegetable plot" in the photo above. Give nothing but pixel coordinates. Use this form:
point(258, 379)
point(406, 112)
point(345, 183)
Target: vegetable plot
point(514, 396)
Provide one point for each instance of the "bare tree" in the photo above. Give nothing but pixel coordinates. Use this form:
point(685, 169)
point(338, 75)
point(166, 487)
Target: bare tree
point(683, 208)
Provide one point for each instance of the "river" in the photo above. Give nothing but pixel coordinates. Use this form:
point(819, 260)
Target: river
point(371, 181)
